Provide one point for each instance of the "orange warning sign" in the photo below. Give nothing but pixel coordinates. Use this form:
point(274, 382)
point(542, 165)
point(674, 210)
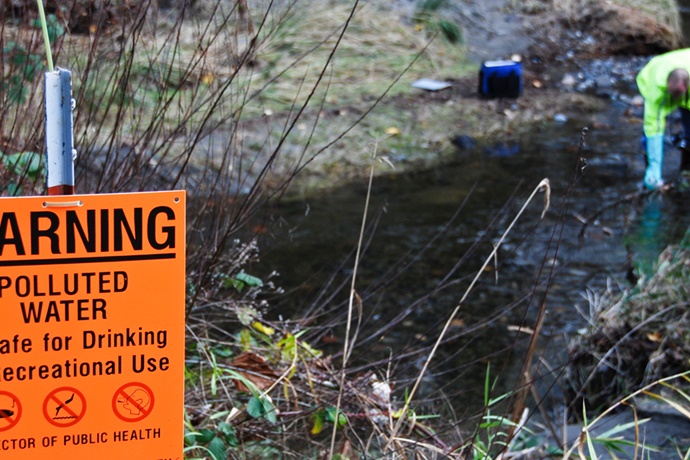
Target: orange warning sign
point(92, 291)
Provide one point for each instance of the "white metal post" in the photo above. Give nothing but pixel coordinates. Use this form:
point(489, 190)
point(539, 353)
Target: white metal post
point(59, 139)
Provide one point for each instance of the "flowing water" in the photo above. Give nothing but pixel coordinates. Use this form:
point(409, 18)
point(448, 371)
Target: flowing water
point(312, 239)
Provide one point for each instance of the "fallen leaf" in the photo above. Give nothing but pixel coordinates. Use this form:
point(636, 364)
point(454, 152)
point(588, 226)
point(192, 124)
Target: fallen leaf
point(318, 425)
point(655, 337)
point(269, 331)
point(234, 413)
point(255, 369)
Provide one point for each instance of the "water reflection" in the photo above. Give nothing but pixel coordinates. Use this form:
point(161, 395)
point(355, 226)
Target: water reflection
point(431, 231)
point(648, 236)
point(662, 220)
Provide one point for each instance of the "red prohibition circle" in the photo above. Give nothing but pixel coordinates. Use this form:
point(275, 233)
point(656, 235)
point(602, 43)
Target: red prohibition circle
point(133, 402)
point(9, 416)
point(60, 404)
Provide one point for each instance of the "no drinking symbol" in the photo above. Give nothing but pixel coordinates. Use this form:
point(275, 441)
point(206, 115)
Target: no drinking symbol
point(133, 402)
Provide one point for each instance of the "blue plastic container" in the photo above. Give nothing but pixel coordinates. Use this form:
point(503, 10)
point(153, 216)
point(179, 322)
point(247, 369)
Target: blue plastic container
point(500, 79)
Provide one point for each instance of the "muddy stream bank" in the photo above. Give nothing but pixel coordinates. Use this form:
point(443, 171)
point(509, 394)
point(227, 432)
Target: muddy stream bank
point(419, 254)
point(429, 231)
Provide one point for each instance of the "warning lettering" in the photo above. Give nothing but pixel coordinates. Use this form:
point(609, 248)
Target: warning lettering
point(80, 439)
point(51, 299)
point(92, 293)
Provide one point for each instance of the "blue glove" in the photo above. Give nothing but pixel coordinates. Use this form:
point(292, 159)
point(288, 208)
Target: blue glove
point(655, 160)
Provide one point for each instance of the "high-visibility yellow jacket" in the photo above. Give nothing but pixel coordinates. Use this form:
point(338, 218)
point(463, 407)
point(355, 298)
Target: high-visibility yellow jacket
point(652, 82)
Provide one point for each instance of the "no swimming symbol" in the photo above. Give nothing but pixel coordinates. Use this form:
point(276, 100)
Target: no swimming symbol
point(64, 406)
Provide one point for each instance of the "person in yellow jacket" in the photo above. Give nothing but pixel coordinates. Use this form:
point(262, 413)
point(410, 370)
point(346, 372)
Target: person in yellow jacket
point(663, 83)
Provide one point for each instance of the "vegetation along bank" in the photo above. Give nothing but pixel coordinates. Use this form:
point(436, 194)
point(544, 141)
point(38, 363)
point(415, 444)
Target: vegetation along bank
point(243, 102)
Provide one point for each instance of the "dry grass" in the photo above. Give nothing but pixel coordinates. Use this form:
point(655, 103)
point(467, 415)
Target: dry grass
point(619, 26)
point(377, 48)
point(233, 106)
point(635, 337)
point(245, 93)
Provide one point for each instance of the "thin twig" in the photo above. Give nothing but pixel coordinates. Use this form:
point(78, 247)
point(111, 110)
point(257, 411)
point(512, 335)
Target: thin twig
point(347, 348)
point(543, 185)
point(587, 428)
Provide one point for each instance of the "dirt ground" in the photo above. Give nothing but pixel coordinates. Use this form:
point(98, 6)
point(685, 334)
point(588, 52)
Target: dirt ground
point(545, 36)
point(493, 31)
point(548, 41)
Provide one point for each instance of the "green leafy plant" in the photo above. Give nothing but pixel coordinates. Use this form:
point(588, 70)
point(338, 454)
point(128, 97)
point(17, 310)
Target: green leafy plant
point(613, 440)
point(54, 27)
point(261, 406)
point(331, 415)
point(23, 65)
point(20, 165)
point(428, 15)
point(243, 280)
point(490, 434)
point(214, 441)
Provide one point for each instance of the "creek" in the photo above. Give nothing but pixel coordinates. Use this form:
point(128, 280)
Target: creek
point(430, 231)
